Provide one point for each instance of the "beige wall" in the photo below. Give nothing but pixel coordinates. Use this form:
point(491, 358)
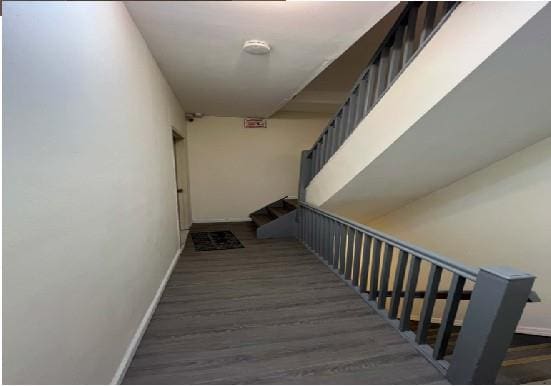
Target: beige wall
point(90, 224)
point(498, 216)
point(234, 171)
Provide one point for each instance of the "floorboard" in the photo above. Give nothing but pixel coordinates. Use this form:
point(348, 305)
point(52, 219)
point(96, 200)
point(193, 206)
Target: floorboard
point(269, 313)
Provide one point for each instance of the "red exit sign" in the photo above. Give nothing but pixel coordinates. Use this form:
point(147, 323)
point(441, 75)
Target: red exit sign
point(254, 123)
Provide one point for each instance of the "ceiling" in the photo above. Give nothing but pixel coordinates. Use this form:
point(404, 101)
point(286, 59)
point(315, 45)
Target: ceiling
point(197, 45)
point(328, 91)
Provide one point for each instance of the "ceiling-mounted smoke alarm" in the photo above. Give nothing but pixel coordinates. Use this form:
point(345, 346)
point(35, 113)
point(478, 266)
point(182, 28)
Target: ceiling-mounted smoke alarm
point(256, 47)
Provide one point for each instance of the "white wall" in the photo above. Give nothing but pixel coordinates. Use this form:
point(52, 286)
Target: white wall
point(234, 171)
point(498, 216)
point(90, 224)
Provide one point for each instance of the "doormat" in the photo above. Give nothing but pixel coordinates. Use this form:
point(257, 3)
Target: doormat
point(215, 241)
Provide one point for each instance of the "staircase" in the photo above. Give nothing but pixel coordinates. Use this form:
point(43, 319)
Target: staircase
point(277, 219)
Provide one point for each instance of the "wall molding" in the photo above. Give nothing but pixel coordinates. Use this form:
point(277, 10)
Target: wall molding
point(136, 339)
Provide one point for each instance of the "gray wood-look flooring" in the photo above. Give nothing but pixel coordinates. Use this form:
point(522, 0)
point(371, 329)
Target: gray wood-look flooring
point(269, 313)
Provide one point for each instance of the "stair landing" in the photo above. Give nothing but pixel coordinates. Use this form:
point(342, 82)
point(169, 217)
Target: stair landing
point(268, 313)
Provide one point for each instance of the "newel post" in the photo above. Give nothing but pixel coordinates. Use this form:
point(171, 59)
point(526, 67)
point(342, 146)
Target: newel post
point(496, 305)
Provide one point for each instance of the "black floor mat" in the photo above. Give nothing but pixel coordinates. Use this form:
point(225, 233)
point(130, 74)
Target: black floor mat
point(213, 241)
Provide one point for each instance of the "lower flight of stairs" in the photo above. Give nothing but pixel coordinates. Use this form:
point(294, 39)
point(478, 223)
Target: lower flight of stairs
point(277, 219)
point(528, 359)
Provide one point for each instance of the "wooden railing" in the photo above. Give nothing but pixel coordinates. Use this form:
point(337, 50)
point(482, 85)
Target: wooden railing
point(385, 272)
point(414, 27)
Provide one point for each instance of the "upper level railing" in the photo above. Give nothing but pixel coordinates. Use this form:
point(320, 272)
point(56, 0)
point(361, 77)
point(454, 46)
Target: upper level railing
point(414, 27)
point(375, 264)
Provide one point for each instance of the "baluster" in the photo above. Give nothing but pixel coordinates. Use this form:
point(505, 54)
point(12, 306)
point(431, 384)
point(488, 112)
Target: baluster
point(310, 168)
point(334, 138)
point(360, 100)
point(319, 152)
point(374, 278)
point(328, 145)
point(349, 254)
point(450, 311)
point(301, 223)
point(344, 123)
point(413, 275)
point(364, 270)
point(313, 163)
point(318, 234)
point(396, 55)
point(342, 253)
point(428, 304)
point(357, 250)
point(371, 88)
point(430, 15)
point(322, 237)
point(352, 111)
point(326, 244)
point(383, 72)
point(305, 225)
point(409, 35)
point(331, 141)
point(338, 239)
point(306, 230)
point(316, 160)
point(323, 146)
point(331, 241)
point(314, 232)
point(338, 131)
point(385, 272)
point(310, 229)
point(400, 272)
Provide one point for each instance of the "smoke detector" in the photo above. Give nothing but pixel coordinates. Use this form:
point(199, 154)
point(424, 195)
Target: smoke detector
point(256, 47)
point(190, 117)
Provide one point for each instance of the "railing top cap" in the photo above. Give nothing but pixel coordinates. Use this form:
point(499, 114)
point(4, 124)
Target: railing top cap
point(508, 273)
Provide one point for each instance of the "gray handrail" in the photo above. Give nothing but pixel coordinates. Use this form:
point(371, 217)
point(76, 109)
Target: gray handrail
point(355, 253)
point(442, 261)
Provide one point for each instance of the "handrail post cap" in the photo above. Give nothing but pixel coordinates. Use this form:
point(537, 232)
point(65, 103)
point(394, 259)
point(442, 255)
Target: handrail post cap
point(508, 273)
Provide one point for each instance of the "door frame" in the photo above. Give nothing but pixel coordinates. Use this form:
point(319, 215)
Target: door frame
point(181, 182)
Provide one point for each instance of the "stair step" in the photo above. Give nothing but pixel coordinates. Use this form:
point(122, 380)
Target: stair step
point(279, 211)
point(291, 202)
point(260, 219)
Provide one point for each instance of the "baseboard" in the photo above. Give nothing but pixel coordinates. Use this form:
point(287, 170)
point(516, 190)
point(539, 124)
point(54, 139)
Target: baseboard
point(135, 342)
point(216, 220)
point(541, 331)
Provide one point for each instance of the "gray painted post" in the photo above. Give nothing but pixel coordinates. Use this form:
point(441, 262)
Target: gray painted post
point(305, 166)
point(496, 306)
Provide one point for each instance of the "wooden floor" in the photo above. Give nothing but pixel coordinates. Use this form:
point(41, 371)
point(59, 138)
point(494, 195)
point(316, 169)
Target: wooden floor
point(270, 313)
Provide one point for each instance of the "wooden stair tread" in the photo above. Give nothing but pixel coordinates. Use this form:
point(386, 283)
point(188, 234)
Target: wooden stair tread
point(278, 211)
point(292, 201)
point(260, 219)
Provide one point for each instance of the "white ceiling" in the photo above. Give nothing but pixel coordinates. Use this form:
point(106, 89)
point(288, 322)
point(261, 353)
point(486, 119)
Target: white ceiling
point(198, 47)
point(328, 91)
